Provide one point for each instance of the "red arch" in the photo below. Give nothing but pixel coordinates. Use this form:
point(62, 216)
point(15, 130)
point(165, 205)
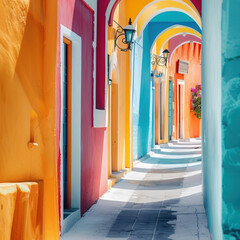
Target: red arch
point(110, 21)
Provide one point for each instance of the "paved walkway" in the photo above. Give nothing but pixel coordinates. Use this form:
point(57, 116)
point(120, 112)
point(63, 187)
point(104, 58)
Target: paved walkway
point(160, 199)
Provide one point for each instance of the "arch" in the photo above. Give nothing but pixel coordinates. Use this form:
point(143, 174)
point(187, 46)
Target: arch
point(150, 13)
point(177, 40)
point(179, 45)
point(141, 8)
point(169, 32)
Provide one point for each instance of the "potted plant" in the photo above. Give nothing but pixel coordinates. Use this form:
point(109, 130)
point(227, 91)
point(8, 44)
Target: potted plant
point(196, 101)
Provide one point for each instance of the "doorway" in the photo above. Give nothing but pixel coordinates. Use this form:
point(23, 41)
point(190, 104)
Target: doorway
point(114, 122)
point(66, 127)
point(70, 136)
point(180, 108)
point(113, 118)
point(170, 109)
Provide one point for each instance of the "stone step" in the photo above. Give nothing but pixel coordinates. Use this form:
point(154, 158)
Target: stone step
point(182, 146)
point(175, 151)
point(190, 140)
point(160, 158)
point(187, 143)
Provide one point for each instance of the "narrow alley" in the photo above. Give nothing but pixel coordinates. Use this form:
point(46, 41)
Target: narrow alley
point(119, 119)
point(160, 199)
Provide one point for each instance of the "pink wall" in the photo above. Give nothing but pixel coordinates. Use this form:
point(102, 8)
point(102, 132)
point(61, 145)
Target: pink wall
point(78, 17)
point(100, 83)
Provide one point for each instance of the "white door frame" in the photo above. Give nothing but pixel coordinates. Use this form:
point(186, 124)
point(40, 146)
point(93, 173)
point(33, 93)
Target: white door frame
point(76, 40)
point(180, 82)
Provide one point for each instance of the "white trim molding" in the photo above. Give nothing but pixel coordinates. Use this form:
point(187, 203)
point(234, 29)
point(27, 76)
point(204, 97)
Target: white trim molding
point(182, 83)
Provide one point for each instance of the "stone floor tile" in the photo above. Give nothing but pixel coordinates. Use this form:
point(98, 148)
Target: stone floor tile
point(158, 200)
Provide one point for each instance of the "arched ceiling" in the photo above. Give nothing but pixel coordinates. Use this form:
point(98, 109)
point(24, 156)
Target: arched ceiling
point(167, 34)
point(178, 40)
point(145, 8)
point(179, 45)
point(166, 20)
point(165, 6)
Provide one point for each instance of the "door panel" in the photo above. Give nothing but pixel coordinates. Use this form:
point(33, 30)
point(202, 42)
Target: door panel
point(114, 125)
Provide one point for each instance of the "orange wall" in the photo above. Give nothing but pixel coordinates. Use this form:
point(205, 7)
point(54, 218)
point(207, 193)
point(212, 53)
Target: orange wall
point(188, 52)
point(28, 44)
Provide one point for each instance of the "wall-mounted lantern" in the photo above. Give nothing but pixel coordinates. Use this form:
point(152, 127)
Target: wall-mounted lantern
point(126, 35)
point(157, 74)
point(160, 60)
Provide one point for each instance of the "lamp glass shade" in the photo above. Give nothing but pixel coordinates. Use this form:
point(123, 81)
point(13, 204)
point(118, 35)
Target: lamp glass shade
point(129, 31)
point(165, 54)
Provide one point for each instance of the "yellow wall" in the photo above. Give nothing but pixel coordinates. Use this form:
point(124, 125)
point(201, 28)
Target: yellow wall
point(28, 44)
point(126, 160)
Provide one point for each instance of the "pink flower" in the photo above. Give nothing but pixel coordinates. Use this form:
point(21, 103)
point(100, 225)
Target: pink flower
point(192, 100)
point(199, 95)
point(192, 89)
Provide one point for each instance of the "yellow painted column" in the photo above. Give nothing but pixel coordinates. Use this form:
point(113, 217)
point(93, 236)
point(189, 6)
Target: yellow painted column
point(128, 120)
point(128, 139)
point(123, 90)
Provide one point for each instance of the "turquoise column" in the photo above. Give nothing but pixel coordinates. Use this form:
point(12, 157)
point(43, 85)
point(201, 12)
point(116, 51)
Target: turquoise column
point(211, 114)
point(230, 119)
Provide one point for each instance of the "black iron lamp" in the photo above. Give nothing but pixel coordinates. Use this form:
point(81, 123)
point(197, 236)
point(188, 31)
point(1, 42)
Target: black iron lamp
point(166, 54)
point(125, 36)
point(160, 60)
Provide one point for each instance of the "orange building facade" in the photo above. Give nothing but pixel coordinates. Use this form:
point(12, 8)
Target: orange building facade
point(182, 116)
